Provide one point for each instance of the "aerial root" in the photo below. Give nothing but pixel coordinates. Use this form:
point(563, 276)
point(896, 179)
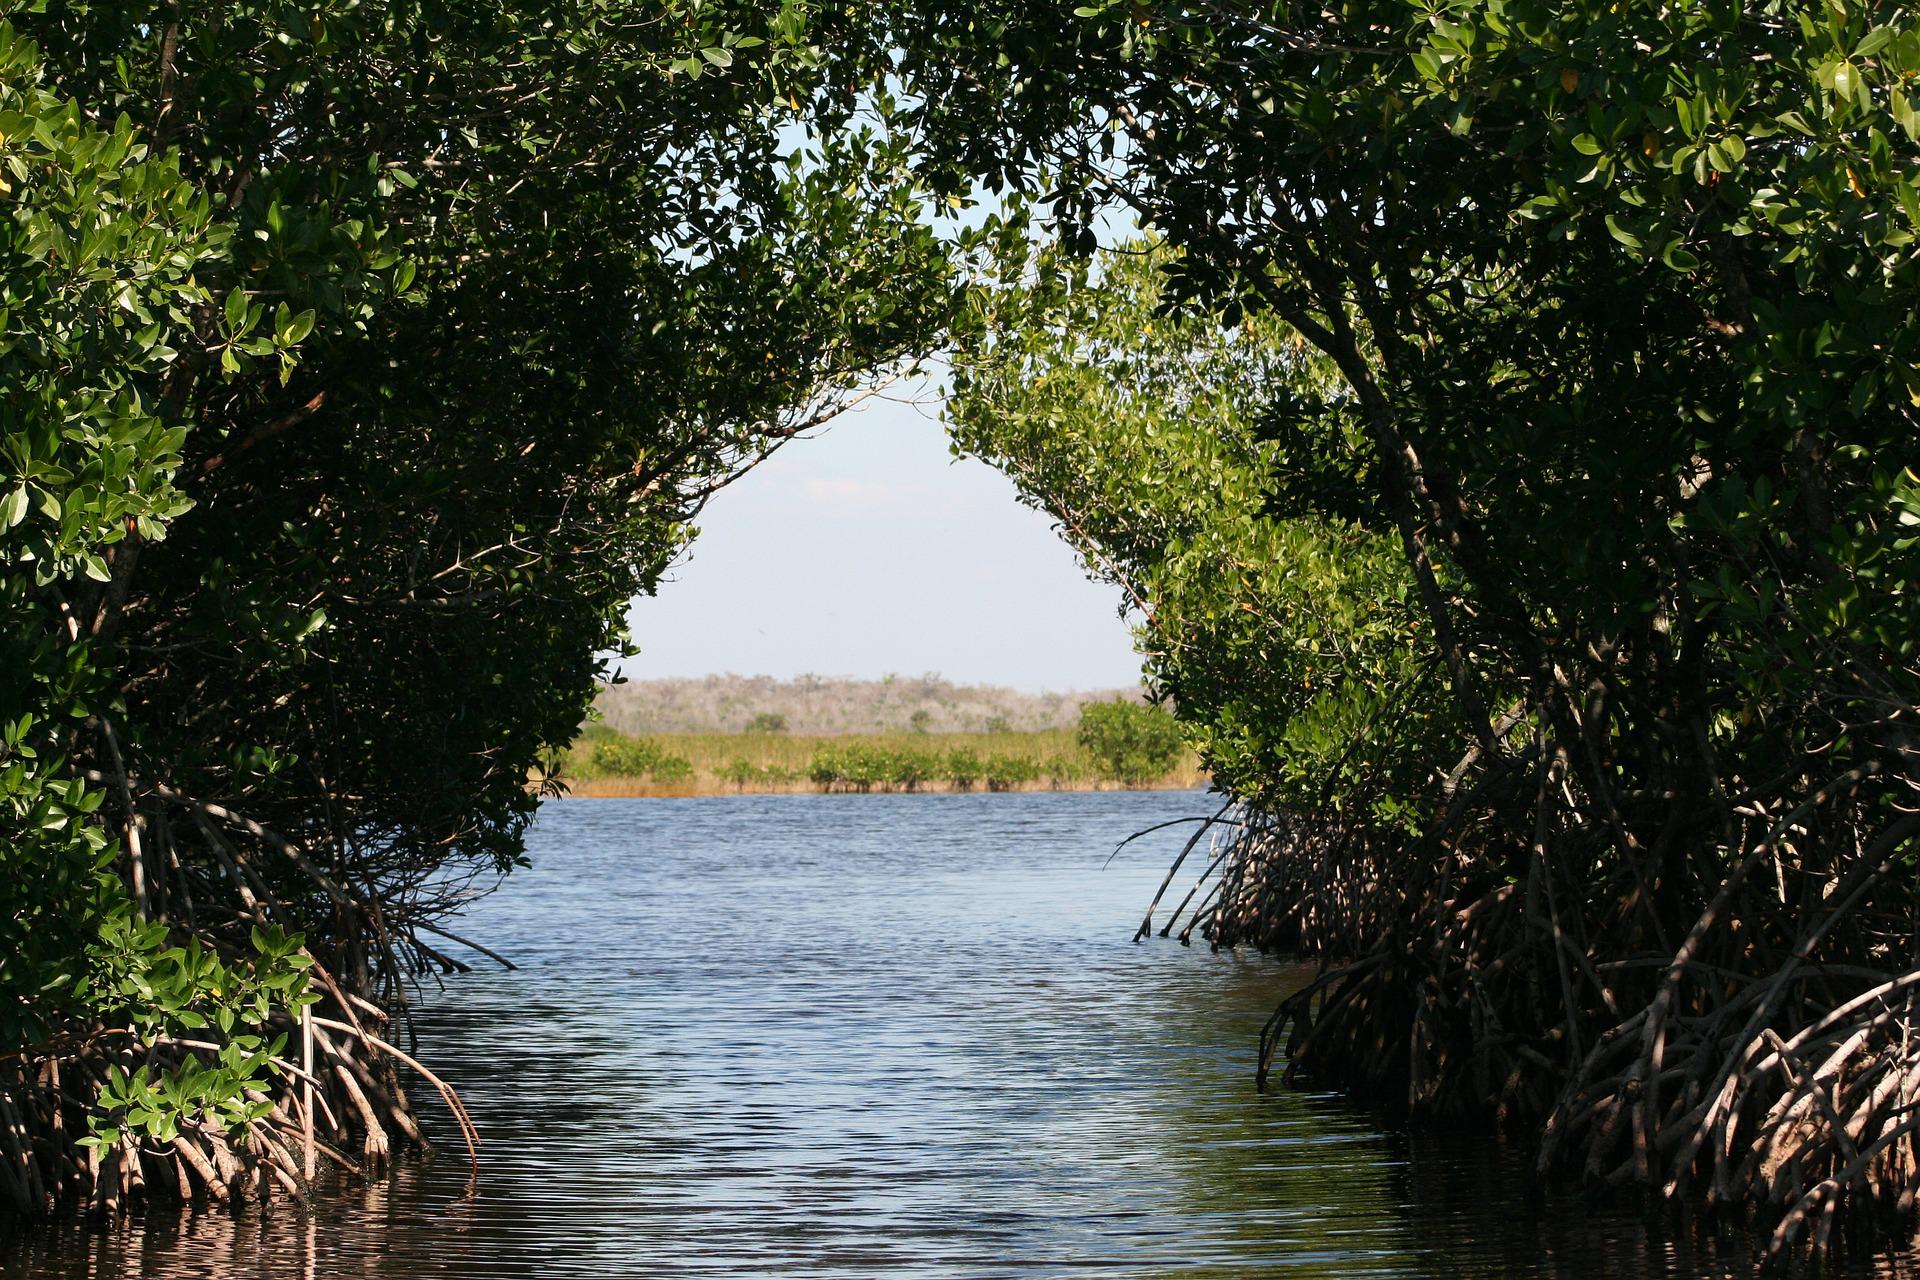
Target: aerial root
point(1766, 1063)
point(334, 1101)
point(354, 1087)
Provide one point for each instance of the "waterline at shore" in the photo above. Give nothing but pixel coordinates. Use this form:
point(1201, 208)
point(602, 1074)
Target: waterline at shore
point(647, 788)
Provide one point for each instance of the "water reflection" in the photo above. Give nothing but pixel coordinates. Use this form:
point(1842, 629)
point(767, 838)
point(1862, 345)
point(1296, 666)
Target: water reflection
point(901, 1036)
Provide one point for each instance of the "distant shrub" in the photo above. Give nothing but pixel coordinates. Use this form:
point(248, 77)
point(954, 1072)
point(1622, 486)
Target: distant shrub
point(739, 772)
point(1062, 771)
point(908, 769)
point(621, 757)
point(1004, 773)
point(920, 721)
point(859, 766)
point(742, 772)
point(1131, 741)
point(824, 769)
point(618, 757)
point(767, 722)
point(963, 768)
point(863, 766)
point(998, 724)
point(671, 769)
point(856, 768)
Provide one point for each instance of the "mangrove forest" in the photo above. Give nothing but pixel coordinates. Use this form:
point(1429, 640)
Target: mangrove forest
point(1496, 418)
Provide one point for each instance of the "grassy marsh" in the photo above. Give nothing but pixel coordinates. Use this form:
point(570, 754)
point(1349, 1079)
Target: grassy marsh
point(606, 763)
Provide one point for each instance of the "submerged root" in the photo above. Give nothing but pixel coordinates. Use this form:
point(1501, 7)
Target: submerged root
point(1756, 1053)
point(336, 1087)
point(48, 1101)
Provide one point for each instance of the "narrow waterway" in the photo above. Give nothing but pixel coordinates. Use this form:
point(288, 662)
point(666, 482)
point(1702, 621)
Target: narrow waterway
point(878, 1036)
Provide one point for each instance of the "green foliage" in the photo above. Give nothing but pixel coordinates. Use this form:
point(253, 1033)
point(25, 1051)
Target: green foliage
point(173, 991)
point(1134, 742)
point(855, 767)
point(742, 772)
point(963, 768)
point(1611, 318)
point(635, 758)
point(102, 245)
point(1511, 458)
point(362, 364)
point(1172, 454)
point(861, 767)
point(1061, 771)
point(767, 722)
point(611, 764)
point(908, 769)
point(1612, 307)
point(1004, 773)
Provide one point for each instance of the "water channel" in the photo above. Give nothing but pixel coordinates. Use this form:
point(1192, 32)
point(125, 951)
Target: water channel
point(900, 1036)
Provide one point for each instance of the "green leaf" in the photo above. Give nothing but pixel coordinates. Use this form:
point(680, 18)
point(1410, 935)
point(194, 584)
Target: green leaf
point(296, 329)
point(1874, 41)
point(236, 311)
point(1623, 235)
point(1679, 258)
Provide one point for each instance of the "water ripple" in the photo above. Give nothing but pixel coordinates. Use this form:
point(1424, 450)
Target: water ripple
point(877, 1035)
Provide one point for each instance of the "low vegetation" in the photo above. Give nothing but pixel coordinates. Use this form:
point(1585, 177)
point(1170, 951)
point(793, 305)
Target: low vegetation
point(1130, 740)
point(607, 763)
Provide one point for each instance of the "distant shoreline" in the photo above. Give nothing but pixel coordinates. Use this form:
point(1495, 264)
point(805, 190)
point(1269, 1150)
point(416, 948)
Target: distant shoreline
point(647, 789)
point(604, 763)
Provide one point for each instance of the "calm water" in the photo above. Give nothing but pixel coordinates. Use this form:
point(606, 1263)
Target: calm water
point(877, 1036)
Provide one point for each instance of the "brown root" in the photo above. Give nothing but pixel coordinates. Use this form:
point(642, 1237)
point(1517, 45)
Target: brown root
point(1757, 1053)
point(338, 1090)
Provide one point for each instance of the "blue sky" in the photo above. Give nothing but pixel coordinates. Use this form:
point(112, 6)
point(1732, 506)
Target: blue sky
point(870, 550)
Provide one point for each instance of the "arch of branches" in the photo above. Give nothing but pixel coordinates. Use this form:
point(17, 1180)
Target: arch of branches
point(1507, 437)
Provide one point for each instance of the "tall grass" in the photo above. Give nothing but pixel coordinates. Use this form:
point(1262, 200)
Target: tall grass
point(606, 763)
